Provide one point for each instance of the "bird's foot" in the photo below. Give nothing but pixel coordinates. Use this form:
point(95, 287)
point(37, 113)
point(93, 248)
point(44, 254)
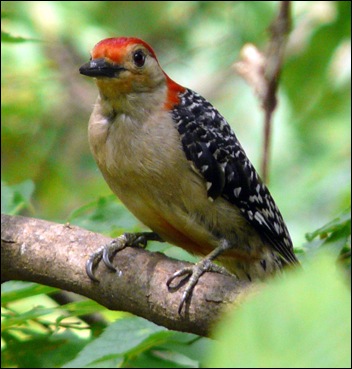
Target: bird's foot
point(191, 278)
point(108, 251)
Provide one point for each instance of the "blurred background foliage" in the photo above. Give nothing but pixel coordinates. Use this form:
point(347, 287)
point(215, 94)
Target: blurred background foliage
point(48, 171)
point(46, 103)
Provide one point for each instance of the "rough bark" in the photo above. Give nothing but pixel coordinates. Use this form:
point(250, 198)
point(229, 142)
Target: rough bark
point(55, 255)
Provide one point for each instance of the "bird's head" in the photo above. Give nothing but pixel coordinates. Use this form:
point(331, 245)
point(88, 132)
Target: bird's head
point(126, 66)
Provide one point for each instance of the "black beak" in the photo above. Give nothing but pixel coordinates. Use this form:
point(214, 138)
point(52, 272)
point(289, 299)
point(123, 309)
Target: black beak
point(100, 68)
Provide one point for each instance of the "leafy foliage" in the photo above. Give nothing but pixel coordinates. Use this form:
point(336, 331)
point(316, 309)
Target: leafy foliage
point(301, 321)
point(125, 340)
point(103, 215)
point(334, 236)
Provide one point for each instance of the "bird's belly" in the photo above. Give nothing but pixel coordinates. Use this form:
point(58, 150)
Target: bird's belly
point(165, 210)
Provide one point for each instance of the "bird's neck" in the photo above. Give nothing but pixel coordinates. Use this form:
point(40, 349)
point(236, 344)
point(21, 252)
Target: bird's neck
point(115, 100)
point(173, 93)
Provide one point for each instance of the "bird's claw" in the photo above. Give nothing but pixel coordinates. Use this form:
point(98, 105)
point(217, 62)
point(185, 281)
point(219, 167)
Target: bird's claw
point(107, 252)
point(193, 274)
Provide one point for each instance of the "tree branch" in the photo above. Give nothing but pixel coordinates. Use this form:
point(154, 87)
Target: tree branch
point(262, 71)
point(55, 255)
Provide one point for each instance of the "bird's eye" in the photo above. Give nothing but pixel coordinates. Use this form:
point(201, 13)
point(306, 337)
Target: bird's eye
point(139, 58)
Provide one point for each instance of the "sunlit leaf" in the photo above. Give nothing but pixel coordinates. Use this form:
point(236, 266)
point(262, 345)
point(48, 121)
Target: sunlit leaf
point(300, 321)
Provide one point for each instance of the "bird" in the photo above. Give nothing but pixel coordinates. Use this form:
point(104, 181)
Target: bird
point(175, 162)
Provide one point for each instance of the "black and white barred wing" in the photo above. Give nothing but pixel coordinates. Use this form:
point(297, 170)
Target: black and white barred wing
point(212, 147)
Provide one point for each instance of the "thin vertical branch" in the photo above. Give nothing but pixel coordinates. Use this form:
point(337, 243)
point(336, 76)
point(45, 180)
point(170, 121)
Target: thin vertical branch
point(262, 72)
point(279, 30)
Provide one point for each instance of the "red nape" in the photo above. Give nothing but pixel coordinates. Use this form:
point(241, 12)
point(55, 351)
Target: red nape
point(173, 93)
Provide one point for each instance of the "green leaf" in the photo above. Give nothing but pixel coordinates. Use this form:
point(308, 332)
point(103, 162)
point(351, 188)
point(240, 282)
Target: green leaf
point(16, 290)
point(41, 352)
point(343, 222)
point(161, 359)
point(104, 215)
point(18, 319)
point(129, 336)
point(334, 237)
point(7, 37)
point(299, 321)
point(15, 198)
point(184, 349)
point(82, 307)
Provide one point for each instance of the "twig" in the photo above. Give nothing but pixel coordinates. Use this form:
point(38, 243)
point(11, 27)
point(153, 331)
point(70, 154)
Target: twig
point(262, 72)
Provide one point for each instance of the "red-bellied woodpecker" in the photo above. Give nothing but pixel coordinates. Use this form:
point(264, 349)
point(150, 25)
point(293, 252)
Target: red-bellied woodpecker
point(176, 164)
